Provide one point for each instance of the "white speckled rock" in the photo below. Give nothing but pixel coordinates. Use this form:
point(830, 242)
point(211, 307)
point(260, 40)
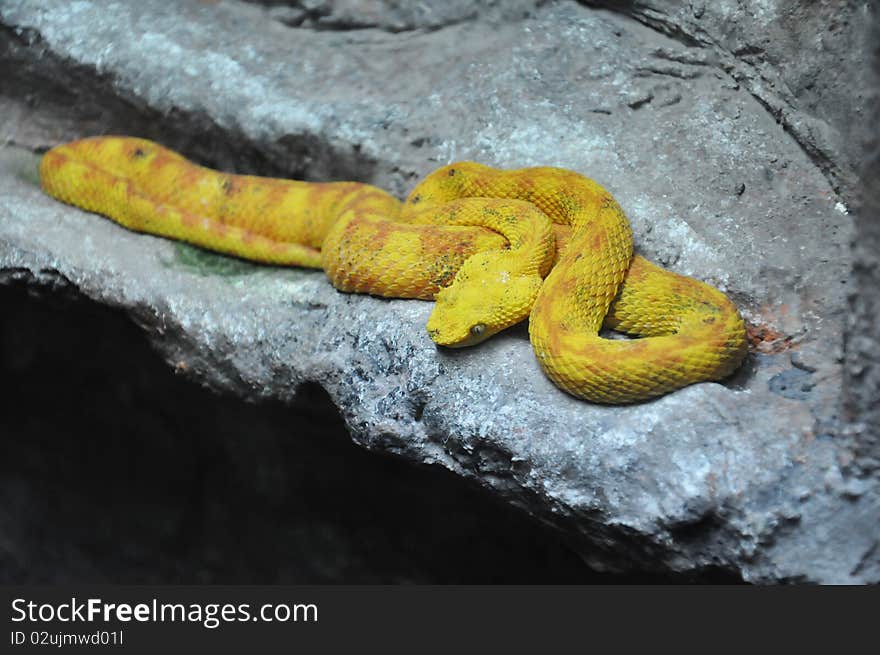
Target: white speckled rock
point(745, 476)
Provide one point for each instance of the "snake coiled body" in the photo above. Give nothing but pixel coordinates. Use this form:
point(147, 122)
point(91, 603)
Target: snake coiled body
point(492, 247)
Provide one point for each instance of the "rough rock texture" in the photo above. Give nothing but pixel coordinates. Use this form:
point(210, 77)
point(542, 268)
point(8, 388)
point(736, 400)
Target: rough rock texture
point(393, 15)
point(114, 469)
point(803, 61)
point(863, 335)
point(753, 477)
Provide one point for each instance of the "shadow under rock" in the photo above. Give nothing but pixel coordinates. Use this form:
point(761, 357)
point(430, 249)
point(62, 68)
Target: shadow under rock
point(113, 469)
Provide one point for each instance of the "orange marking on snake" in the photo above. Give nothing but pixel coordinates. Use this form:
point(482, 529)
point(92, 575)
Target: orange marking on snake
point(54, 161)
point(189, 220)
point(160, 161)
point(217, 227)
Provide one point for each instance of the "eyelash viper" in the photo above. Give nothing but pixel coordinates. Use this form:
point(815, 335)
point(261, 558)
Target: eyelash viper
point(492, 247)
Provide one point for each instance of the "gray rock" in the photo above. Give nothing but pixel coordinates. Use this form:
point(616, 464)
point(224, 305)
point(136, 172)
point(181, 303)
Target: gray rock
point(803, 61)
point(392, 15)
point(750, 476)
point(863, 334)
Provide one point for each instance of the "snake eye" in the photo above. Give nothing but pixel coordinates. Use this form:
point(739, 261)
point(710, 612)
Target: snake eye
point(478, 329)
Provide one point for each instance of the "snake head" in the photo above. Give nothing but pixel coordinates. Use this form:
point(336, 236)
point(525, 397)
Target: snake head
point(482, 300)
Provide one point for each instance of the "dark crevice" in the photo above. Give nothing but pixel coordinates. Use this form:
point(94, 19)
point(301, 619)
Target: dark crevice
point(696, 530)
point(116, 470)
point(869, 555)
point(667, 71)
point(641, 102)
point(349, 25)
point(741, 378)
point(631, 9)
point(394, 18)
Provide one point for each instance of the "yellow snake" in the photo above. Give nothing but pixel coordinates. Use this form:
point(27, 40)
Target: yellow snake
point(492, 247)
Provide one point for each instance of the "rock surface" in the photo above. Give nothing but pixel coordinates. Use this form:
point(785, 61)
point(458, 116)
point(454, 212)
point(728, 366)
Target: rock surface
point(752, 476)
point(392, 15)
point(116, 470)
point(863, 334)
point(803, 61)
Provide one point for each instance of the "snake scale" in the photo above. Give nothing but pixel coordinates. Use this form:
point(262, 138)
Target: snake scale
point(492, 247)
